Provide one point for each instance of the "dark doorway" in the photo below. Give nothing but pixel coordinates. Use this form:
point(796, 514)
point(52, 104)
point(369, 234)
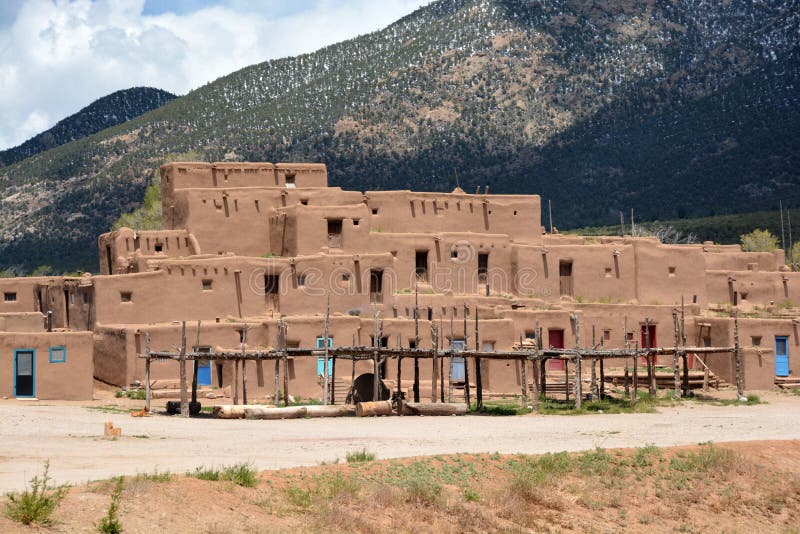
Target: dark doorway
point(335, 233)
point(483, 268)
point(422, 265)
point(271, 290)
point(565, 277)
point(108, 259)
point(24, 373)
point(376, 285)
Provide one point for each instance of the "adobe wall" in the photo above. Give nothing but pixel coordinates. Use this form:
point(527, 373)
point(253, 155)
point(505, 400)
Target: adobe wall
point(666, 272)
point(22, 322)
point(518, 216)
point(70, 380)
point(121, 249)
point(757, 287)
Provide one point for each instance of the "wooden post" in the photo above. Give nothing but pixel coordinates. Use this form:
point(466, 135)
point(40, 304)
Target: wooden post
point(543, 376)
point(325, 382)
point(478, 374)
point(675, 355)
point(284, 333)
point(332, 384)
point(635, 389)
point(375, 370)
point(147, 391)
point(685, 357)
point(182, 363)
point(737, 354)
point(651, 379)
point(602, 378)
point(578, 362)
point(627, 380)
point(440, 337)
point(466, 362)
point(399, 377)
point(594, 390)
point(416, 341)
point(566, 380)
point(244, 365)
point(435, 369)
point(194, 372)
point(235, 381)
point(278, 346)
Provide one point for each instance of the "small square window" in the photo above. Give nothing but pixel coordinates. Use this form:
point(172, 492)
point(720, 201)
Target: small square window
point(159, 247)
point(374, 211)
point(355, 222)
point(126, 296)
point(58, 354)
point(756, 341)
point(301, 280)
point(629, 336)
point(304, 201)
point(10, 297)
point(672, 271)
point(207, 284)
point(606, 335)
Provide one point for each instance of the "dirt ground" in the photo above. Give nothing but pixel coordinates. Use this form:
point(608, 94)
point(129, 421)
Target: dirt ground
point(70, 436)
point(733, 487)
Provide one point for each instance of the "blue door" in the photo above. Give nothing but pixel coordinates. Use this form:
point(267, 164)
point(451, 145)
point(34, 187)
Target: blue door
point(781, 356)
point(25, 373)
point(457, 365)
point(321, 360)
point(203, 372)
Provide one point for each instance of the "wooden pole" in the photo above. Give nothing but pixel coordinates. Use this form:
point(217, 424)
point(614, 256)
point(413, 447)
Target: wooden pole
point(578, 362)
point(683, 345)
point(278, 346)
point(466, 362)
point(523, 375)
point(602, 378)
point(594, 390)
point(440, 337)
point(651, 382)
point(435, 369)
point(635, 389)
point(543, 376)
point(416, 340)
point(245, 328)
point(399, 395)
point(194, 373)
point(376, 372)
point(147, 391)
point(675, 356)
point(478, 373)
point(284, 334)
point(325, 384)
point(566, 380)
point(737, 354)
point(182, 364)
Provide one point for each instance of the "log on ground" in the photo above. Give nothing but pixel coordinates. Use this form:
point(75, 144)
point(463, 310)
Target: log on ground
point(330, 411)
point(264, 412)
point(429, 408)
point(366, 409)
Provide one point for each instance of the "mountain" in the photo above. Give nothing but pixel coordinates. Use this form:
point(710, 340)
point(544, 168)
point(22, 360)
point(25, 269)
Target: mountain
point(113, 109)
point(676, 109)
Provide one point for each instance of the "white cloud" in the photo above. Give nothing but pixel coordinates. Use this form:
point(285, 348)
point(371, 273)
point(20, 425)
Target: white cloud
point(59, 55)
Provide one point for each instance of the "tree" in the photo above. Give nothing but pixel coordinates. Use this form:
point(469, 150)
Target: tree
point(759, 241)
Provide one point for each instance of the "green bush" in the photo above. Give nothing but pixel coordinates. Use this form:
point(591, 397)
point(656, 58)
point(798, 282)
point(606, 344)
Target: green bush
point(205, 474)
point(241, 474)
point(37, 504)
point(110, 524)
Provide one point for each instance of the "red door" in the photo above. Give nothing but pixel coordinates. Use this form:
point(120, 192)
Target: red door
point(653, 341)
point(555, 338)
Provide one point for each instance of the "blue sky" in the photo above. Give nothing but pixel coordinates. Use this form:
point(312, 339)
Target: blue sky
point(57, 56)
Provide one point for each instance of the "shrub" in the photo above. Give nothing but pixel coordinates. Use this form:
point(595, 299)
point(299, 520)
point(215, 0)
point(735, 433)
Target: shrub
point(110, 523)
point(205, 474)
point(359, 456)
point(759, 241)
point(37, 504)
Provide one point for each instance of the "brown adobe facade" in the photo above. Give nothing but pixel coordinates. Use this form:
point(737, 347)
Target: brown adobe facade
point(246, 245)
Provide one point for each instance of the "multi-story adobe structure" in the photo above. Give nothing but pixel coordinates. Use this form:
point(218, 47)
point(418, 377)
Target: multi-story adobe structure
point(255, 243)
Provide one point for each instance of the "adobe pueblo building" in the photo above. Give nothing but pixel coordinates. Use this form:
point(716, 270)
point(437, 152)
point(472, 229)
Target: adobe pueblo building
point(252, 253)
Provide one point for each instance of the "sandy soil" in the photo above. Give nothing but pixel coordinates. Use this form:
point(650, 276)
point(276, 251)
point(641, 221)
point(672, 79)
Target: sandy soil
point(70, 436)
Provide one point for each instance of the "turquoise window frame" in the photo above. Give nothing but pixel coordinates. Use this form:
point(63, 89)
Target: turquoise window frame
point(63, 350)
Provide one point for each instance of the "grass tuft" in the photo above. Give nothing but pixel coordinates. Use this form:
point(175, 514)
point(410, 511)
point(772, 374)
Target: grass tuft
point(355, 457)
point(202, 473)
point(241, 474)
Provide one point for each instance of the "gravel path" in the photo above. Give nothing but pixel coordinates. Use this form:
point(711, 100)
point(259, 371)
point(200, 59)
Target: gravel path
point(70, 436)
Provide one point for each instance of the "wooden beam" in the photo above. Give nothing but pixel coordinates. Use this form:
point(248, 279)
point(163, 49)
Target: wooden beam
point(182, 366)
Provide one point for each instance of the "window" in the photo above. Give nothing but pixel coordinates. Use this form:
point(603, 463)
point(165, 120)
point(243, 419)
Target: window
point(271, 284)
point(334, 233)
point(422, 265)
point(629, 336)
point(565, 277)
point(301, 280)
point(355, 222)
point(374, 211)
point(756, 341)
point(207, 284)
point(530, 334)
point(321, 359)
point(126, 296)
point(483, 267)
point(58, 354)
point(671, 271)
point(606, 335)
point(290, 183)
point(454, 252)
point(10, 297)
point(159, 247)
point(304, 201)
